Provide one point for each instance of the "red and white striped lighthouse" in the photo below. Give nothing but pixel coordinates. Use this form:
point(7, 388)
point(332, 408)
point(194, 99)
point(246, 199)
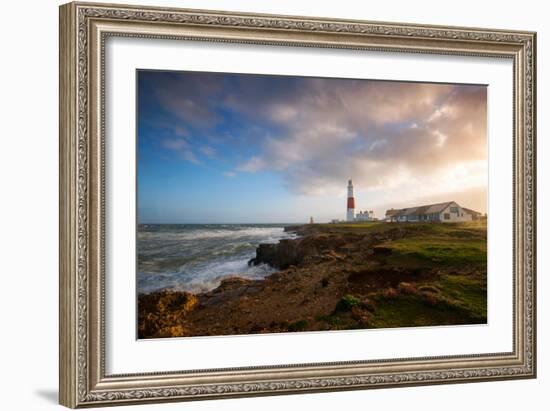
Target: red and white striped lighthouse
point(350, 216)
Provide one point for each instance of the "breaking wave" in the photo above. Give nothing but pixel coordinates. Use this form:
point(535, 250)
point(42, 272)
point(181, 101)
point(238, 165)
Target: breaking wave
point(197, 258)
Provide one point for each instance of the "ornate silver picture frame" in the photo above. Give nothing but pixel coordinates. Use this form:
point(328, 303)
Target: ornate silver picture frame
point(84, 30)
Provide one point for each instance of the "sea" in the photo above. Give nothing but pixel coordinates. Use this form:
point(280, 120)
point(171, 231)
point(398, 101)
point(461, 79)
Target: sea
point(197, 257)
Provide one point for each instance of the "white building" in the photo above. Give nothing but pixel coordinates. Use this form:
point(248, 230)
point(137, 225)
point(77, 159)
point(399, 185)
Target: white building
point(449, 212)
point(365, 216)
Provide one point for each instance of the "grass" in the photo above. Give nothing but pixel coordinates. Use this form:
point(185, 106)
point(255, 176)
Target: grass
point(456, 292)
point(471, 293)
point(413, 310)
point(447, 251)
point(453, 299)
point(479, 225)
point(456, 244)
point(371, 226)
point(445, 243)
point(347, 302)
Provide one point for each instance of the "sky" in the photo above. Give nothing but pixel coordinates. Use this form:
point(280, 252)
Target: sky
point(242, 148)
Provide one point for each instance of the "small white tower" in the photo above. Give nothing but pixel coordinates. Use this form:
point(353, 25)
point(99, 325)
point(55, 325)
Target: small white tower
point(350, 216)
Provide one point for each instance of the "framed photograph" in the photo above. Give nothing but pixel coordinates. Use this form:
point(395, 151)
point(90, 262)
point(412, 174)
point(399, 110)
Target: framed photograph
point(259, 204)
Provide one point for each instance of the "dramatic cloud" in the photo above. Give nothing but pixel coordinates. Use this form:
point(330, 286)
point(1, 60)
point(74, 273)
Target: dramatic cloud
point(379, 133)
point(413, 140)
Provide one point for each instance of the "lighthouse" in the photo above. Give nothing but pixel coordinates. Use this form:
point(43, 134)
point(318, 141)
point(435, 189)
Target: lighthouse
point(350, 216)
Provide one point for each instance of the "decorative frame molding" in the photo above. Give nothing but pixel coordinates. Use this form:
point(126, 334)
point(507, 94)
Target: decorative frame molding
point(83, 30)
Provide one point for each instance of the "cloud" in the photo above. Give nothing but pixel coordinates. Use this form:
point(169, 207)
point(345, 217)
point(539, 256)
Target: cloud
point(175, 144)
point(375, 132)
point(184, 149)
point(316, 133)
point(186, 97)
point(229, 173)
point(252, 165)
point(208, 151)
point(180, 131)
point(181, 148)
point(190, 156)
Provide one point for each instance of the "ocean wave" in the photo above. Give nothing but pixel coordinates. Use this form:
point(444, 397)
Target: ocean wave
point(199, 234)
point(196, 259)
point(201, 280)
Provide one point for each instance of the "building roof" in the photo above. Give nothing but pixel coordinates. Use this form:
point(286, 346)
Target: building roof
point(425, 209)
point(470, 211)
point(419, 210)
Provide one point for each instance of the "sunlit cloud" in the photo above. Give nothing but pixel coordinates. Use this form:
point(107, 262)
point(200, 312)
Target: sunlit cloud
point(412, 141)
point(401, 129)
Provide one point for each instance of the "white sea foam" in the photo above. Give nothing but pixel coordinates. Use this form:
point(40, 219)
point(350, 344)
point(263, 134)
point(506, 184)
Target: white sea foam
point(202, 280)
point(272, 233)
point(197, 258)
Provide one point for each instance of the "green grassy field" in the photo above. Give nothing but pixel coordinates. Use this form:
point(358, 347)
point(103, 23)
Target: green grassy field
point(449, 285)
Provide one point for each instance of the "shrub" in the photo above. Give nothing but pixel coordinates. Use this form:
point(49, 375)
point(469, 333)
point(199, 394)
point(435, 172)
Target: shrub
point(347, 302)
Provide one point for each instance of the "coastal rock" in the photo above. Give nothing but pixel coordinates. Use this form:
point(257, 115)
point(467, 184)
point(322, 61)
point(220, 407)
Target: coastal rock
point(231, 283)
point(163, 313)
point(284, 254)
point(230, 288)
point(176, 301)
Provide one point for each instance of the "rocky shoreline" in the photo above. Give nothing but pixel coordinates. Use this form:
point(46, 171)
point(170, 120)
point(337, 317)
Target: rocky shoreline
point(333, 277)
